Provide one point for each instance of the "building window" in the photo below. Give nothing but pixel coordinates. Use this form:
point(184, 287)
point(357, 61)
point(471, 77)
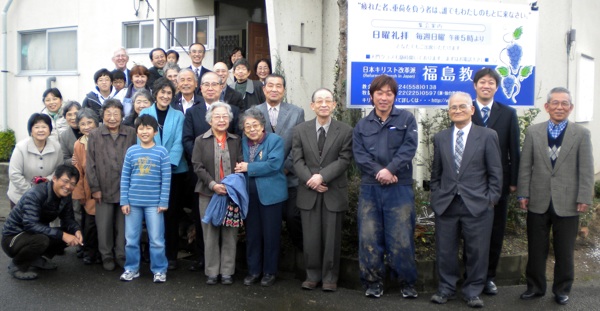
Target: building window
point(185, 31)
point(51, 50)
point(139, 35)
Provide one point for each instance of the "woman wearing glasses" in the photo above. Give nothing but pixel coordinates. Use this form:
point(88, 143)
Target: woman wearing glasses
point(267, 189)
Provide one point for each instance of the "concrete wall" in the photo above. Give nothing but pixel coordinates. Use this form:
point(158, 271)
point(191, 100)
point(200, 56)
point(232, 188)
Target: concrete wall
point(303, 71)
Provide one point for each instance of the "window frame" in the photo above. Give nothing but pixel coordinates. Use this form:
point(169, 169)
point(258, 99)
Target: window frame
point(47, 71)
point(140, 24)
point(210, 36)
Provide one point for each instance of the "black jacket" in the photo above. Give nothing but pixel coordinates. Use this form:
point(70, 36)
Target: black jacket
point(36, 209)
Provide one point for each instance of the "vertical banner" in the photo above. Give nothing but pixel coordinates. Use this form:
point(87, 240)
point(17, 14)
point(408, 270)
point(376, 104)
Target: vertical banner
point(433, 48)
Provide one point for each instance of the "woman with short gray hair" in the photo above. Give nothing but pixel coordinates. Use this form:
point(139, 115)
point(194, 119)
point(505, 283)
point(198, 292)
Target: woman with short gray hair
point(215, 155)
point(141, 99)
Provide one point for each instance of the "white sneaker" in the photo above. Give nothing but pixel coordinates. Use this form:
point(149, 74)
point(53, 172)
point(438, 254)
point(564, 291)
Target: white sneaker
point(160, 277)
point(129, 275)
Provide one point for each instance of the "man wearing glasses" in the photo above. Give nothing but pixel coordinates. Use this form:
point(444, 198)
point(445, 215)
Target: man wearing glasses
point(556, 184)
point(466, 183)
point(27, 237)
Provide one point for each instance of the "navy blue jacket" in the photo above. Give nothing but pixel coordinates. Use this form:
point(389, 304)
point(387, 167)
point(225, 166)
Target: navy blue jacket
point(36, 209)
point(390, 145)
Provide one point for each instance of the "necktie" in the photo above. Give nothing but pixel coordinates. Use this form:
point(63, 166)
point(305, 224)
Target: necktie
point(321, 139)
point(486, 115)
point(458, 149)
point(197, 72)
point(273, 116)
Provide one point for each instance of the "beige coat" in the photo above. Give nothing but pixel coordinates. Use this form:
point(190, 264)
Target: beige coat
point(27, 162)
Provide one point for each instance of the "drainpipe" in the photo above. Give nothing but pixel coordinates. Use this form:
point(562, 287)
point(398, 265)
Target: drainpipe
point(4, 69)
point(49, 81)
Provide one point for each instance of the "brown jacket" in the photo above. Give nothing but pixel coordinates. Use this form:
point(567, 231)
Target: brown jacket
point(203, 158)
point(82, 192)
point(105, 161)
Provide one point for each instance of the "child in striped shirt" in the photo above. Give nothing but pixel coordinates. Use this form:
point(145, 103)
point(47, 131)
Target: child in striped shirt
point(145, 185)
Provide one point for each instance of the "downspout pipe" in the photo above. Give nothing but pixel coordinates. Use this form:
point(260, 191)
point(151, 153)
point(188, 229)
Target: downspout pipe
point(4, 69)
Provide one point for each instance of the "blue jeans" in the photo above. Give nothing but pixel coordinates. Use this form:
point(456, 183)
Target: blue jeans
point(156, 234)
point(386, 226)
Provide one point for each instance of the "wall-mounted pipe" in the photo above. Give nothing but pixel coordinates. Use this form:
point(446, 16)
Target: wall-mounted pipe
point(4, 69)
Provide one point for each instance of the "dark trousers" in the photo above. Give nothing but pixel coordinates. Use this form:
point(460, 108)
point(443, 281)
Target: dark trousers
point(192, 199)
point(90, 235)
point(263, 234)
point(293, 221)
point(497, 238)
point(322, 230)
point(456, 222)
point(173, 214)
point(26, 247)
point(564, 233)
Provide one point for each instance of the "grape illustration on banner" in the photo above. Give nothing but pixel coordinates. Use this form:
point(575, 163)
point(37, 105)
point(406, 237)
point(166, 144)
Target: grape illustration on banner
point(512, 72)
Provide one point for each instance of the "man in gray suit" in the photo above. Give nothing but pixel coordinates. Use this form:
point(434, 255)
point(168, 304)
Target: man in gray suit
point(281, 119)
point(322, 150)
point(556, 182)
point(466, 183)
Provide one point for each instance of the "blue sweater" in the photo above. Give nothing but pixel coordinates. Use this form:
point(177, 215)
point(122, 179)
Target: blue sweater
point(146, 177)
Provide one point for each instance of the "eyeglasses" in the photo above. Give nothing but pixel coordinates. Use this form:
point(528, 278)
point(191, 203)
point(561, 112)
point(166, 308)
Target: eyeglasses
point(254, 126)
point(213, 85)
point(112, 115)
point(68, 182)
point(461, 107)
point(556, 103)
point(327, 101)
point(196, 52)
point(220, 117)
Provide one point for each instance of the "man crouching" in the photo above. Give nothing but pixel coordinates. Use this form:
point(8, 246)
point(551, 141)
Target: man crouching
point(27, 237)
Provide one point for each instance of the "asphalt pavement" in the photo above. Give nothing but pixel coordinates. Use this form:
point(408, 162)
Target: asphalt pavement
point(75, 286)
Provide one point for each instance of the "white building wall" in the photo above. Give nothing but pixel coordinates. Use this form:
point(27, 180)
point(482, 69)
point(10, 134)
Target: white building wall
point(99, 33)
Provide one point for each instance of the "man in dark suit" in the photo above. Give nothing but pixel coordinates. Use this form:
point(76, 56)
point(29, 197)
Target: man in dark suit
point(466, 183)
point(158, 57)
point(281, 118)
point(502, 119)
point(228, 95)
point(556, 184)
point(322, 151)
point(197, 52)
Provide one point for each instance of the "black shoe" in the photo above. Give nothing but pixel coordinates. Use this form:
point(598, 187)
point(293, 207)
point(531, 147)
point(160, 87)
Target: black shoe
point(561, 299)
point(441, 298)
point(490, 288)
point(108, 264)
point(267, 280)
point(474, 302)
point(529, 294)
point(172, 265)
point(197, 266)
point(226, 280)
point(374, 290)
point(212, 280)
point(87, 260)
point(251, 279)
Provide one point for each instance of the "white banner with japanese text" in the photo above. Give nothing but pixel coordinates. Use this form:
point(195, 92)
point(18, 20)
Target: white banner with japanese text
point(433, 48)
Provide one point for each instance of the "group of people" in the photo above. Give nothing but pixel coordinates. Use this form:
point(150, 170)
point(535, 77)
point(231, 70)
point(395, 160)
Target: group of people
point(238, 155)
